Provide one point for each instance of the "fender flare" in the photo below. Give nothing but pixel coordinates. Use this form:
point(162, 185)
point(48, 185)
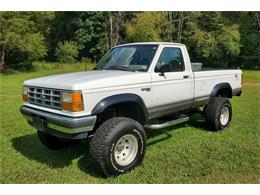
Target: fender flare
point(221, 86)
point(117, 99)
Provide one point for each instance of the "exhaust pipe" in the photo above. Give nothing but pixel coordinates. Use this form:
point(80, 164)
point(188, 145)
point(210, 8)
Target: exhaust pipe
point(168, 123)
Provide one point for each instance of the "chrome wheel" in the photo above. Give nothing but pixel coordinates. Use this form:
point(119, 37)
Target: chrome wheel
point(126, 150)
point(224, 116)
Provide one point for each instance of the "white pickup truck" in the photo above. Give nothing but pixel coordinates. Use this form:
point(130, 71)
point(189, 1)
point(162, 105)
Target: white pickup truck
point(131, 89)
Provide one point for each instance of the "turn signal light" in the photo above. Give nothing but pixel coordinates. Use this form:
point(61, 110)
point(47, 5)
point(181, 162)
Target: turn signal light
point(72, 101)
point(25, 98)
point(25, 94)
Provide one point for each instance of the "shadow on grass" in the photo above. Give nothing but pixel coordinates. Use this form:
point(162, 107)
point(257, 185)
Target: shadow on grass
point(87, 165)
point(154, 133)
point(197, 121)
point(30, 147)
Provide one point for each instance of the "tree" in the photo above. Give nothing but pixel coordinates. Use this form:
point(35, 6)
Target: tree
point(249, 28)
point(175, 25)
point(146, 26)
point(86, 29)
point(115, 26)
point(210, 36)
point(67, 52)
point(214, 38)
point(20, 40)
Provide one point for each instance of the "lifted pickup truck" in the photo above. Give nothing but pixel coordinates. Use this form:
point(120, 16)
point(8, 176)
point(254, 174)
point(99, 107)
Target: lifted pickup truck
point(132, 88)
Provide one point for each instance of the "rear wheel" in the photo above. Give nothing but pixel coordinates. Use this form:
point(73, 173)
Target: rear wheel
point(53, 142)
point(218, 114)
point(118, 145)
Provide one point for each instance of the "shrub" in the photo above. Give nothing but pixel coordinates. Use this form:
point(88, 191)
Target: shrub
point(67, 52)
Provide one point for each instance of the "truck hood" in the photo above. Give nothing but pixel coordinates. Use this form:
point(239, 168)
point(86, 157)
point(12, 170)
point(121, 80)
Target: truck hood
point(90, 79)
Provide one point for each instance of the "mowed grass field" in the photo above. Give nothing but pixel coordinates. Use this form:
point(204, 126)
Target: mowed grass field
point(186, 153)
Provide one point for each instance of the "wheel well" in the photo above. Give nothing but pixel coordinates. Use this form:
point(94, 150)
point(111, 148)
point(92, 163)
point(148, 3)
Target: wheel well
point(127, 109)
point(221, 90)
point(224, 92)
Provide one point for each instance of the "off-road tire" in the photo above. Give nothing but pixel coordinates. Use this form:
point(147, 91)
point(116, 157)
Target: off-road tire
point(213, 113)
point(103, 143)
point(52, 142)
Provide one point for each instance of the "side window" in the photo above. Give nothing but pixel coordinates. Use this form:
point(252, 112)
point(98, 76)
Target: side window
point(170, 60)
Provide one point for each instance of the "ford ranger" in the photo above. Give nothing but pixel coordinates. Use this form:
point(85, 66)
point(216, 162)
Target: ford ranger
point(134, 87)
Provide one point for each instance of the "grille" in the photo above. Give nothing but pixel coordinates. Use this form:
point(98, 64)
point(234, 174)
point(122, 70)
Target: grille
point(45, 97)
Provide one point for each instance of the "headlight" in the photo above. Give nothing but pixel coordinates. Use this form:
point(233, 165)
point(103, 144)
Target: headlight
point(25, 93)
point(71, 101)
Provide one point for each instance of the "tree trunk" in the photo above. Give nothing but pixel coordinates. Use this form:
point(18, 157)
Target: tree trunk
point(258, 21)
point(118, 27)
point(171, 25)
point(2, 57)
point(111, 29)
point(179, 34)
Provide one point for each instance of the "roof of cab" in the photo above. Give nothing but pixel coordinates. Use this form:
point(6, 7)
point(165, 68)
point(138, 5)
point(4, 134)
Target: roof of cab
point(151, 43)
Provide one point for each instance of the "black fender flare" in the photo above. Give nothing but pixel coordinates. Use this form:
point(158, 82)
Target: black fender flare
point(117, 99)
point(221, 86)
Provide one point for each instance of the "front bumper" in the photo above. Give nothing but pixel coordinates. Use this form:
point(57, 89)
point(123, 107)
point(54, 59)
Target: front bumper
point(58, 125)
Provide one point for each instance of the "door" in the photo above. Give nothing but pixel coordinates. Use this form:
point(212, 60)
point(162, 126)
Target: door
point(172, 83)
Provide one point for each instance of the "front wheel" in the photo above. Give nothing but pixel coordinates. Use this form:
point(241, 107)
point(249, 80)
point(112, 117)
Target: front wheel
point(118, 145)
point(218, 114)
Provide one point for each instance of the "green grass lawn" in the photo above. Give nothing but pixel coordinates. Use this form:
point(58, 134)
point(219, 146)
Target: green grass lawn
point(186, 153)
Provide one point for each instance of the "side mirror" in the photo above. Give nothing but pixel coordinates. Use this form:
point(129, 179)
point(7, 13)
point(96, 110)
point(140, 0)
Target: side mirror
point(163, 69)
point(161, 73)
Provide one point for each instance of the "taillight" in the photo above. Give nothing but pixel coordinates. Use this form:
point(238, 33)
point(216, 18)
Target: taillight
point(242, 79)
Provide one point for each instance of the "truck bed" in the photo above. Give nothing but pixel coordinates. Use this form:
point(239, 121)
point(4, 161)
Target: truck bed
point(205, 81)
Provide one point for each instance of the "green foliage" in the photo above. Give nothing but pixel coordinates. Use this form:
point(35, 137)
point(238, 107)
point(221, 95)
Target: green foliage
point(217, 39)
point(85, 60)
point(210, 37)
point(67, 52)
point(21, 40)
point(47, 66)
point(249, 24)
point(146, 26)
point(86, 29)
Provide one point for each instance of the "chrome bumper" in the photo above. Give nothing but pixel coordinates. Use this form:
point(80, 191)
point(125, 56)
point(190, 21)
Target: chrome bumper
point(60, 126)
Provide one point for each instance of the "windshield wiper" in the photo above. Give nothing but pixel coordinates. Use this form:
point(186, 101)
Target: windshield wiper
point(124, 68)
point(98, 68)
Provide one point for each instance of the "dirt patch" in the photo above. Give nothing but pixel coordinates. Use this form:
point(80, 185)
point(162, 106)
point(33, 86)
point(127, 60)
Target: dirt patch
point(252, 85)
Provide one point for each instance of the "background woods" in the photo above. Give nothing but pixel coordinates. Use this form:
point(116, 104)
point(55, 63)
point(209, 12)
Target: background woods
point(217, 39)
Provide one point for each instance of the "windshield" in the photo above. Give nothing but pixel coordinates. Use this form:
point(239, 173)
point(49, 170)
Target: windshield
point(128, 58)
